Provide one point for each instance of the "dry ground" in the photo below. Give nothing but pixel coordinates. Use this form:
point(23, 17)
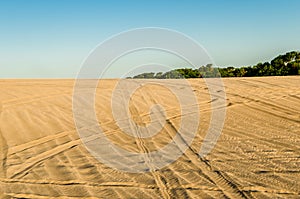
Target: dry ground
point(257, 155)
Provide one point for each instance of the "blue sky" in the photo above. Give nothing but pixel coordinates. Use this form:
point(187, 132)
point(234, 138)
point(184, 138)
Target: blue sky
point(52, 38)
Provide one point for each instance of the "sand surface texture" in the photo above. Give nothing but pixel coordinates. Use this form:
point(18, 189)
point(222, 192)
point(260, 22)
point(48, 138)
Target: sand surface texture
point(256, 156)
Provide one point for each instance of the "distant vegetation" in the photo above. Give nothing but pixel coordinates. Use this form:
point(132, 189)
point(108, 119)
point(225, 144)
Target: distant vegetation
point(282, 65)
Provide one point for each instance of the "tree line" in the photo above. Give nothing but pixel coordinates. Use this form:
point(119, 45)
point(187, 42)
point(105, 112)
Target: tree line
point(282, 65)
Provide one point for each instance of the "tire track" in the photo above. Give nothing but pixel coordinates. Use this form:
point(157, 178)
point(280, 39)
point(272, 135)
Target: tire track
point(176, 185)
point(263, 101)
point(26, 146)
point(273, 114)
point(225, 184)
point(160, 180)
point(103, 184)
point(34, 143)
point(24, 101)
point(31, 196)
point(3, 157)
point(3, 149)
point(31, 162)
point(229, 188)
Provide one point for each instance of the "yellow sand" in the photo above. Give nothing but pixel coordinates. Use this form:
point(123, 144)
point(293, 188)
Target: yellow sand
point(257, 155)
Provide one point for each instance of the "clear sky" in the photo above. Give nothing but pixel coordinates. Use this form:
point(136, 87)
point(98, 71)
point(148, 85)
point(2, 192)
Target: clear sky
point(52, 38)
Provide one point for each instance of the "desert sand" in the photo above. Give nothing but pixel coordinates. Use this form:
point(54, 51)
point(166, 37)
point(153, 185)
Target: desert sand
point(256, 156)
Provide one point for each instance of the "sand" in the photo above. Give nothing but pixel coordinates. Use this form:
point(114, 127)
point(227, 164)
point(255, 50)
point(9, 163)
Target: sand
point(256, 156)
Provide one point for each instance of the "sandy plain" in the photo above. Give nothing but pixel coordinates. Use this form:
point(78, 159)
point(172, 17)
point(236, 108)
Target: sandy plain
point(256, 156)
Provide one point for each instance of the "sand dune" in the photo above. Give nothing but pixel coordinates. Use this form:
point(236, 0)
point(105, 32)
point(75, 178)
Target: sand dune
point(256, 156)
